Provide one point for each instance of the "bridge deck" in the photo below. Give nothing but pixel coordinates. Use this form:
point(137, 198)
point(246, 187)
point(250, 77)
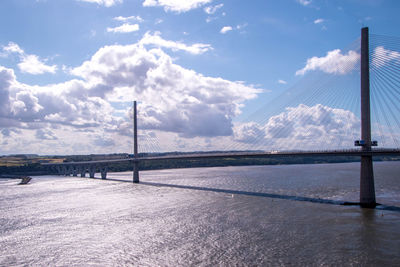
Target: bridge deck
point(352, 152)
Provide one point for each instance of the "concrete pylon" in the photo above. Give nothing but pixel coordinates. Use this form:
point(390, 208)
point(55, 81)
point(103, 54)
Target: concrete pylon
point(64, 170)
point(69, 170)
point(92, 171)
point(104, 172)
point(135, 146)
point(59, 170)
point(83, 171)
point(367, 186)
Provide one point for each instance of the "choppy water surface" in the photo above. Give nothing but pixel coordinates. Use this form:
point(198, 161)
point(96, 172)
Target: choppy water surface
point(245, 216)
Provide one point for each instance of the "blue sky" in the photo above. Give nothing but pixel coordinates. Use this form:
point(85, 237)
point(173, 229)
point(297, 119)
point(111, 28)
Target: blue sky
point(69, 69)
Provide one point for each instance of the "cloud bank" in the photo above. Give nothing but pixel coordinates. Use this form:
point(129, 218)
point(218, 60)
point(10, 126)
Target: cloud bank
point(302, 127)
point(82, 114)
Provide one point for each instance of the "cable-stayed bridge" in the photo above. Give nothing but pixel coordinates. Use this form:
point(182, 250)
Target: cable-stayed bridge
point(322, 115)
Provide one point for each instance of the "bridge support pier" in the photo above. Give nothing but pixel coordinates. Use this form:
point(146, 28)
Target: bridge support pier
point(367, 187)
point(92, 171)
point(75, 171)
point(59, 169)
point(135, 146)
point(69, 171)
point(104, 173)
point(83, 171)
point(136, 172)
point(64, 170)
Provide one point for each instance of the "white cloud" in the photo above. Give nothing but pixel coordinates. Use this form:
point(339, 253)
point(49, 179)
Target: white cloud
point(13, 48)
point(249, 132)
point(29, 63)
point(318, 21)
point(175, 103)
point(173, 99)
point(106, 3)
point(155, 39)
point(302, 127)
point(304, 2)
point(334, 63)
point(382, 56)
point(212, 9)
point(238, 27)
point(125, 28)
point(282, 82)
point(225, 29)
point(176, 6)
point(130, 18)
point(312, 127)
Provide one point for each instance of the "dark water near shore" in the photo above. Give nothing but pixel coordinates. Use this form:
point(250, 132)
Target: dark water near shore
point(225, 216)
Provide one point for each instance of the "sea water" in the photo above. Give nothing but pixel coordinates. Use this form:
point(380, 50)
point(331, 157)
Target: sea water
point(224, 216)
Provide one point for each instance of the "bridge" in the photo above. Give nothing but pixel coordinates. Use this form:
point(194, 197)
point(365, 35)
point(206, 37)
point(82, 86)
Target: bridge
point(366, 146)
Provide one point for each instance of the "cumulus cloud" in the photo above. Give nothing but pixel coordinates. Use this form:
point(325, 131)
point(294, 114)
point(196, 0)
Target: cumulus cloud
point(29, 63)
point(282, 82)
point(106, 3)
point(302, 127)
point(157, 40)
point(333, 63)
point(173, 99)
point(176, 6)
point(249, 132)
point(13, 48)
point(32, 64)
point(382, 56)
point(31, 107)
point(212, 9)
point(174, 103)
point(125, 28)
point(311, 127)
point(225, 29)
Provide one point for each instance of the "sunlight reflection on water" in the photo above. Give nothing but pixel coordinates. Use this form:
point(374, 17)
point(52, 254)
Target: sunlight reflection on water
point(205, 216)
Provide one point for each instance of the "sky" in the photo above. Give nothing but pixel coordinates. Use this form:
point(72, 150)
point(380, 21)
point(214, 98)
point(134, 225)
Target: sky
point(70, 69)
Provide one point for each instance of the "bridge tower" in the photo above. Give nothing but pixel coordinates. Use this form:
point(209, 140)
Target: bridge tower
point(367, 187)
point(135, 146)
